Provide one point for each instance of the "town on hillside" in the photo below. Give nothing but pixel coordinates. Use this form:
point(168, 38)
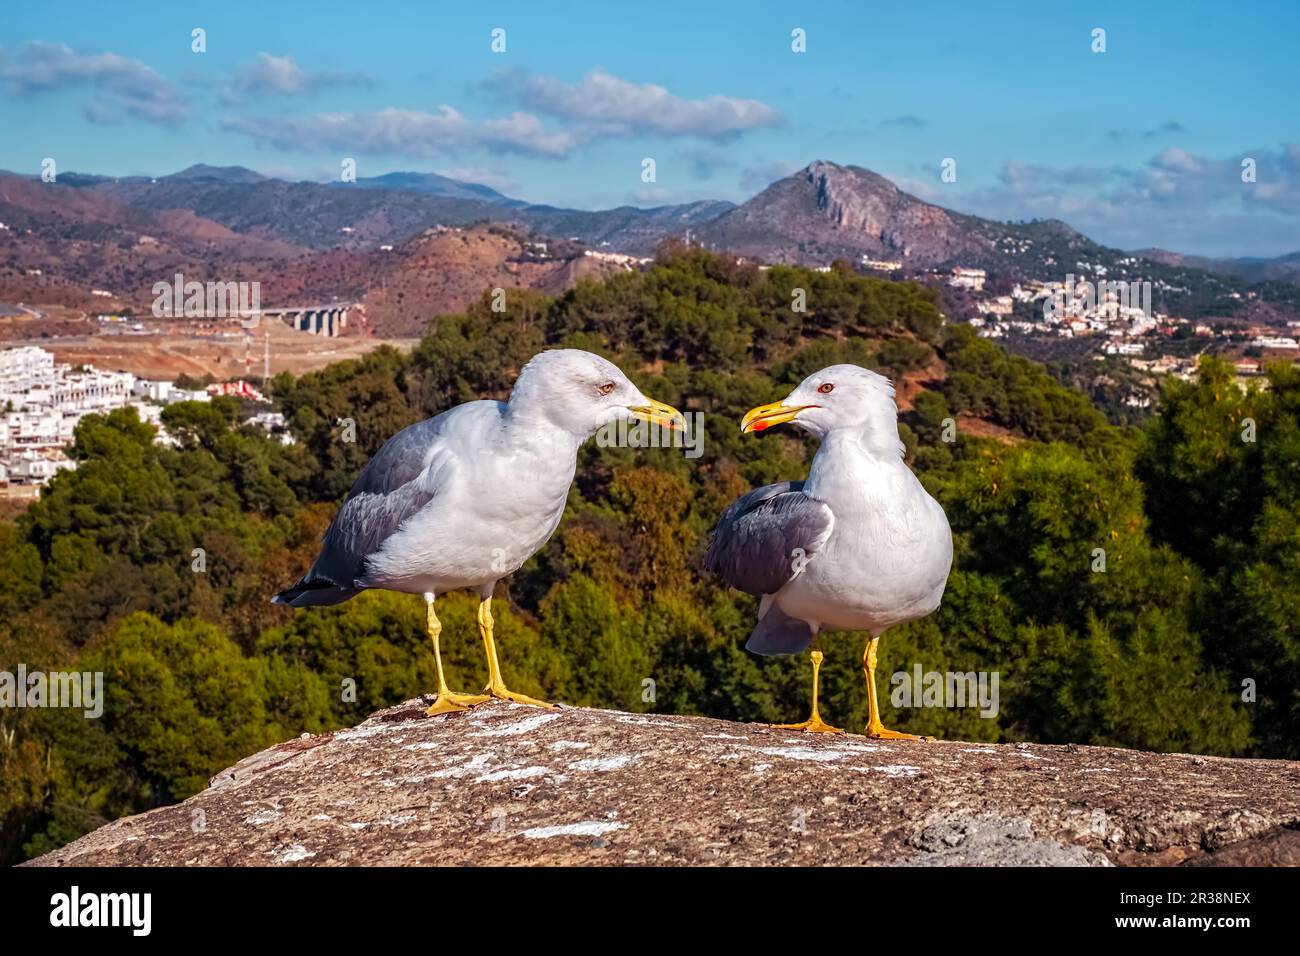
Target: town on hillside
point(42, 401)
point(1114, 319)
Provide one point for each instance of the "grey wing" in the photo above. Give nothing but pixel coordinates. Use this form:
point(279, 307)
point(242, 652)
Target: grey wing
point(400, 480)
point(761, 539)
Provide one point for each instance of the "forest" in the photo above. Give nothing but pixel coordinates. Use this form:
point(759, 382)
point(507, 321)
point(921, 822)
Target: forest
point(154, 564)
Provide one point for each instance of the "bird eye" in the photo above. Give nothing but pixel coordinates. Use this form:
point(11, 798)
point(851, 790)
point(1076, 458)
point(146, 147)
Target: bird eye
point(606, 388)
point(825, 389)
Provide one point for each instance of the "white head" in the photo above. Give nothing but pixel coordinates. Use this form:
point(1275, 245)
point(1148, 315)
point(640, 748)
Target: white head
point(579, 393)
point(838, 398)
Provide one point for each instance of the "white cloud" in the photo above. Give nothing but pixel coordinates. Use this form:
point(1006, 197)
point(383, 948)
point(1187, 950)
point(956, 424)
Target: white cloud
point(524, 133)
point(613, 105)
point(1176, 199)
point(123, 87)
point(1177, 159)
point(408, 132)
point(269, 74)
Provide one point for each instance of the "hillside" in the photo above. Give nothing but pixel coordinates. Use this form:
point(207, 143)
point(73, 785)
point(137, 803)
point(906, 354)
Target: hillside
point(228, 174)
point(64, 241)
point(822, 212)
point(627, 229)
point(387, 209)
point(1285, 268)
point(1197, 528)
point(507, 784)
point(308, 214)
point(433, 184)
point(437, 272)
point(826, 211)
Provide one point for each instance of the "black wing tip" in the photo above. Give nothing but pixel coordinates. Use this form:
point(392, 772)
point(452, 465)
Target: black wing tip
point(317, 591)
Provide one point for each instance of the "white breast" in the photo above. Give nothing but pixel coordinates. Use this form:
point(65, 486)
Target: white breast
point(888, 556)
point(492, 511)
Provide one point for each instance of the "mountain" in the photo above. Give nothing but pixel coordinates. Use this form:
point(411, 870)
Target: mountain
point(199, 171)
point(820, 213)
point(1285, 268)
point(628, 229)
point(438, 271)
point(434, 184)
point(62, 241)
point(316, 215)
point(385, 210)
point(224, 174)
point(828, 211)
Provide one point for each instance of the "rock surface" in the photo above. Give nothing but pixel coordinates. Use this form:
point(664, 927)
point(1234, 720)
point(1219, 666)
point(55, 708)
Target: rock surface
point(507, 784)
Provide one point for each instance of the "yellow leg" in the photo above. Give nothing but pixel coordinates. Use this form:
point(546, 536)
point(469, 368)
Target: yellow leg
point(448, 701)
point(874, 727)
point(813, 724)
point(496, 687)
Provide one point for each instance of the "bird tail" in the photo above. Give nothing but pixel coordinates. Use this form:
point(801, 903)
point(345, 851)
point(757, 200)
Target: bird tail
point(315, 592)
point(778, 633)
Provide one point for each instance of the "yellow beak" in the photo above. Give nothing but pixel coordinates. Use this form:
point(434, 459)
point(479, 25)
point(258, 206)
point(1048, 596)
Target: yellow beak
point(657, 413)
point(765, 416)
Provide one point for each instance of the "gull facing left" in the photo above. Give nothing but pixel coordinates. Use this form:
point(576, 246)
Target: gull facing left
point(860, 545)
point(465, 498)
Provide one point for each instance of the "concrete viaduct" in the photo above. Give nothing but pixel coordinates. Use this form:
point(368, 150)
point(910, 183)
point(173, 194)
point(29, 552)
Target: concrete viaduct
point(328, 320)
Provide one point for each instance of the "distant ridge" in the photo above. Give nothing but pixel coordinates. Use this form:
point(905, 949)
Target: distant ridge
point(1285, 268)
point(823, 212)
point(385, 209)
point(435, 184)
point(224, 174)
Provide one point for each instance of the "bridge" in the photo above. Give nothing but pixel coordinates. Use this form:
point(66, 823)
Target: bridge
point(329, 320)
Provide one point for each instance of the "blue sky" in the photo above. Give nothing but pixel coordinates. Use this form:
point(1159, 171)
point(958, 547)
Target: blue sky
point(1140, 145)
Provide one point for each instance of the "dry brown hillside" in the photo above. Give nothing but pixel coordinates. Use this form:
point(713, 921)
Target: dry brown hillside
point(445, 270)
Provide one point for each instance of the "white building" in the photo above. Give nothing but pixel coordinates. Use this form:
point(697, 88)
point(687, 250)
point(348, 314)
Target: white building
point(22, 368)
point(93, 390)
point(999, 305)
point(963, 278)
point(37, 429)
point(1124, 348)
point(273, 423)
point(36, 467)
point(41, 403)
point(152, 389)
point(1275, 342)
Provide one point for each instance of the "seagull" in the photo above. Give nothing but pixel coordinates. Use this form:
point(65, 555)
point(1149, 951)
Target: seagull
point(465, 498)
point(859, 545)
